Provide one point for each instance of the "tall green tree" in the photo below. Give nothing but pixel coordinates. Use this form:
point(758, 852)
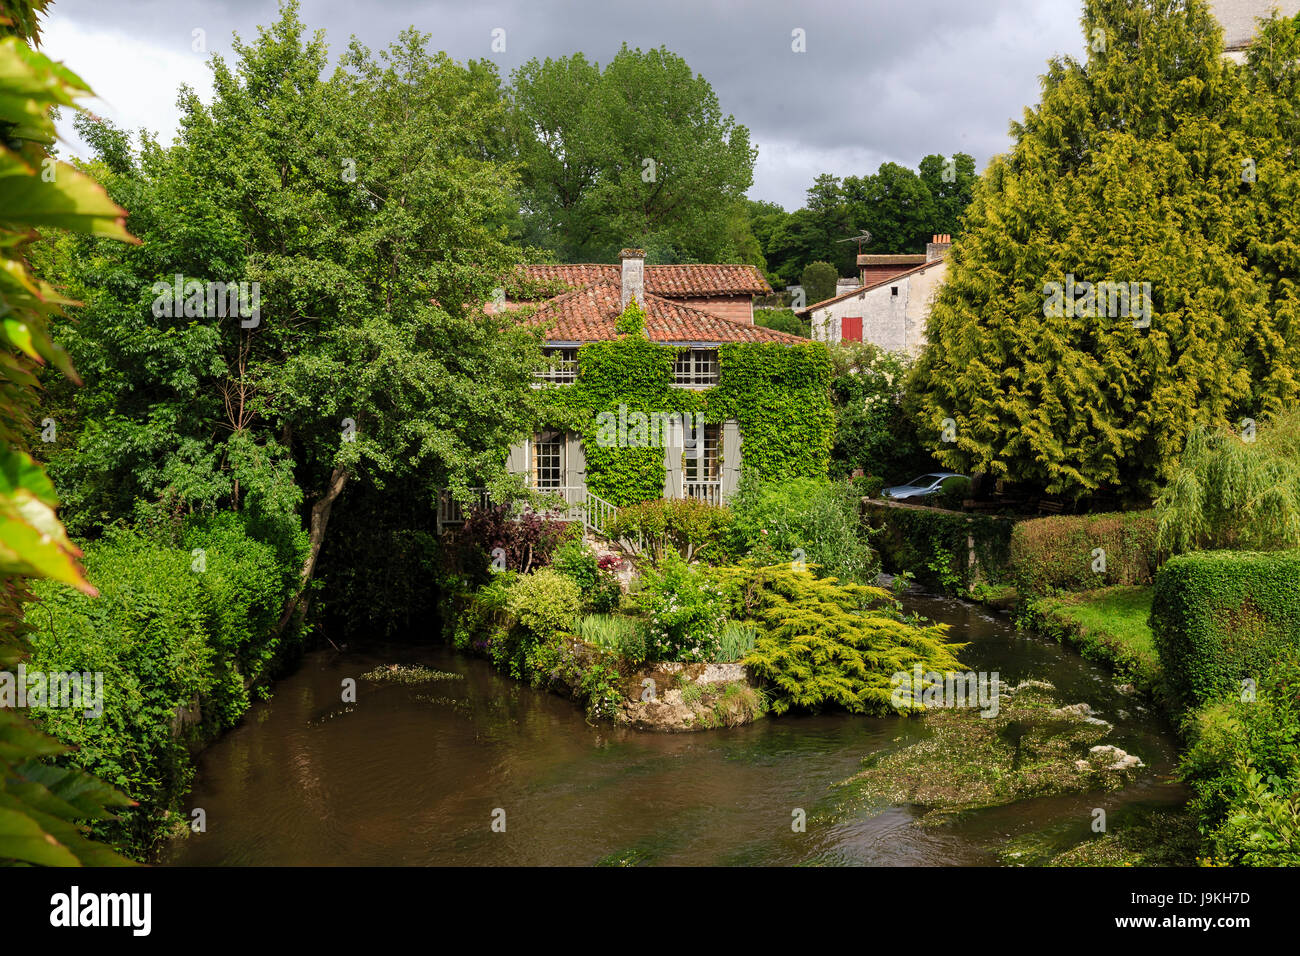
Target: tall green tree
point(895, 205)
point(1139, 166)
point(900, 209)
point(637, 153)
point(367, 209)
point(951, 182)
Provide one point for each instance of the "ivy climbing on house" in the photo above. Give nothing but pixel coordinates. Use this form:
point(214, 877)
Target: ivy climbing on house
point(779, 395)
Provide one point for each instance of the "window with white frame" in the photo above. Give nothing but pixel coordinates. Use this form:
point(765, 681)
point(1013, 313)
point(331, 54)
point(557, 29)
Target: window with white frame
point(561, 366)
point(696, 368)
point(701, 456)
point(548, 460)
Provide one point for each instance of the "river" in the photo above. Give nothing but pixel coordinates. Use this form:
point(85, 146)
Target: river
point(416, 774)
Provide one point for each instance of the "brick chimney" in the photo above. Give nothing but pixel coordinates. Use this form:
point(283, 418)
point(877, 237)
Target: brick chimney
point(937, 247)
point(633, 276)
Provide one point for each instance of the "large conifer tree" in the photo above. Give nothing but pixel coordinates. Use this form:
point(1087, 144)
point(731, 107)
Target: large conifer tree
point(1157, 161)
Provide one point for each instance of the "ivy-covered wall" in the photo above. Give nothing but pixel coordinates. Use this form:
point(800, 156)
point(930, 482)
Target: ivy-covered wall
point(779, 395)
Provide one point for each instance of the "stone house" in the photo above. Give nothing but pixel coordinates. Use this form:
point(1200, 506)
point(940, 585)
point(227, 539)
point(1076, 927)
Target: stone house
point(891, 305)
point(694, 308)
point(1238, 18)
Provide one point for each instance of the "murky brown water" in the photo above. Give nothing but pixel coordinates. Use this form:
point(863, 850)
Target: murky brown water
point(411, 775)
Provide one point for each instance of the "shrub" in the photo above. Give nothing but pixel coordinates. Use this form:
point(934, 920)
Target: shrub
point(873, 430)
point(1219, 617)
point(1243, 765)
point(1060, 553)
point(818, 280)
point(868, 486)
point(817, 521)
point(1233, 493)
point(782, 320)
point(171, 628)
point(820, 642)
point(600, 588)
point(684, 610)
point(526, 540)
point(544, 602)
point(694, 529)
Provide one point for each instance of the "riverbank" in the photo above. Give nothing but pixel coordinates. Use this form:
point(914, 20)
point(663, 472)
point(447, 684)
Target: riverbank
point(412, 772)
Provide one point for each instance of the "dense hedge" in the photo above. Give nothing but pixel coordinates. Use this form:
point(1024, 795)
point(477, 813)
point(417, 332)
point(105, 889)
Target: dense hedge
point(171, 629)
point(1220, 617)
point(931, 544)
point(1060, 553)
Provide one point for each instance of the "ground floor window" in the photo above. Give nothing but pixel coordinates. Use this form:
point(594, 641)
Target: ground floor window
point(701, 458)
point(548, 460)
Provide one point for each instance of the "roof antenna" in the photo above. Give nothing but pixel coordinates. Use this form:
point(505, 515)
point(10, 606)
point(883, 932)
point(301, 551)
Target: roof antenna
point(859, 239)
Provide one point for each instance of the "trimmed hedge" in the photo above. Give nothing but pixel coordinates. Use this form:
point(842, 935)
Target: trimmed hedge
point(1059, 553)
point(1222, 616)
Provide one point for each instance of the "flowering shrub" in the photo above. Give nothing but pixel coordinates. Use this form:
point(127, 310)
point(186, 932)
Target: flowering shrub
point(685, 611)
point(595, 577)
point(872, 429)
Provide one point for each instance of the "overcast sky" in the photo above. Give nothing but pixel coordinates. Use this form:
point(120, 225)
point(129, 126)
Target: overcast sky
point(880, 79)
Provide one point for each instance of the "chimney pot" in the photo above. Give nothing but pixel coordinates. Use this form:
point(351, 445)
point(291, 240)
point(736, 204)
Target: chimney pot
point(938, 247)
point(633, 276)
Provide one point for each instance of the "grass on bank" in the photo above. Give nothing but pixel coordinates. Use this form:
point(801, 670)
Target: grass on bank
point(1110, 625)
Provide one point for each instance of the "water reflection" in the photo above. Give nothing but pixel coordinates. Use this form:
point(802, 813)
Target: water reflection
point(411, 774)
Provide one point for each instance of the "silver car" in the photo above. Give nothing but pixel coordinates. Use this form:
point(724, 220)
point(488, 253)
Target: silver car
point(921, 486)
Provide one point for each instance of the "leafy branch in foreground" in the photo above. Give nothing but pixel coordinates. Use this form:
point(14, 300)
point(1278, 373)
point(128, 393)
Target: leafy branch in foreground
point(40, 805)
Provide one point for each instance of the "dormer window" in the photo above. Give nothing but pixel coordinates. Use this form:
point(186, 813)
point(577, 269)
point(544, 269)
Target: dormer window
point(561, 366)
point(696, 368)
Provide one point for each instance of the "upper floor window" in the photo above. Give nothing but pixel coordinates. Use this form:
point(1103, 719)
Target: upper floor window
point(696, 368)
point(561, 366)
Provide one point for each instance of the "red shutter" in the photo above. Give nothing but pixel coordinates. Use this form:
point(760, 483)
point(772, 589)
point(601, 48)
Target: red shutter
point(851, 328)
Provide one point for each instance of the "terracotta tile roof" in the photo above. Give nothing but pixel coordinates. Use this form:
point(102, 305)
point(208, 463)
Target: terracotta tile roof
point(589, 314)
point(867, 288)
point(671, 281)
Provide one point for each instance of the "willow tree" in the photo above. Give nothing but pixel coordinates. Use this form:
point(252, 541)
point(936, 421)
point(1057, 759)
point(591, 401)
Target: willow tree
point(1106, 296)
point(1234, 489)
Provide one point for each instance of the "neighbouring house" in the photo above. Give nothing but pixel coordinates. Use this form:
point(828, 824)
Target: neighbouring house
point(1239, 21)
point(661, 385)
point(891, 305)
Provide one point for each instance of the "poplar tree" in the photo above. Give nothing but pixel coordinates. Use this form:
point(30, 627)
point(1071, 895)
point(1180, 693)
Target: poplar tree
point(1154, 163)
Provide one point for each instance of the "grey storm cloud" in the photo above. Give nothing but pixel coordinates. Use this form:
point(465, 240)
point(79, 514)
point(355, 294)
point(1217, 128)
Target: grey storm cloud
point(880, 81)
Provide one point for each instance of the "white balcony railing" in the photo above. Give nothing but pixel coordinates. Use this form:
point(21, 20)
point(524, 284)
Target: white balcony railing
point(570, 503)
point(707, 491)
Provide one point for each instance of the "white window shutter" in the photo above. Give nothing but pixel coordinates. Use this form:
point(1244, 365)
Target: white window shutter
point(673, 443)
point(575, 475)
point(517, 459)
point(730, 459)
